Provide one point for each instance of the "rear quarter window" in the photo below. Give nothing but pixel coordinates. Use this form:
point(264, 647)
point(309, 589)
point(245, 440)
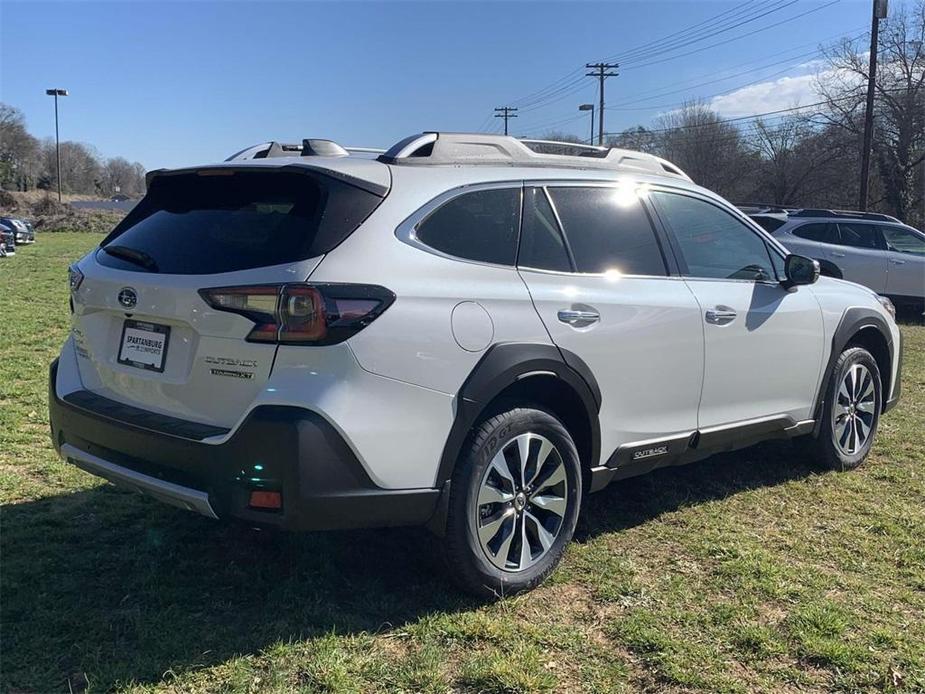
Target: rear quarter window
point(206, 224)
point(822, 232)
point(482, 226)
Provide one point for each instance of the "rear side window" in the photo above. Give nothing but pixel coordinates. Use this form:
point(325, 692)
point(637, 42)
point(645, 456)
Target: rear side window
point(541, 244)
point(824, 233)
point(480, 226)
point(608, 230)
point(204, 224)
point(859, 236)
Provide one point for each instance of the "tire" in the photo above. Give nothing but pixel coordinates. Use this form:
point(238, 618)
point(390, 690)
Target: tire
point(850, 413)
point(491, 510)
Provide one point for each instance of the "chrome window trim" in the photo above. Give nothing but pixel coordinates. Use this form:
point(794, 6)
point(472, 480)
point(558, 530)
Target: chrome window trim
point(604, 275)
point(407, 230)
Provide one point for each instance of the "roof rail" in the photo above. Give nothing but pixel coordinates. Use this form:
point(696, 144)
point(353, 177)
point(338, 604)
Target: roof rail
point(872, 216)
point(310, 147)
point(760, 207)
point(433, 148)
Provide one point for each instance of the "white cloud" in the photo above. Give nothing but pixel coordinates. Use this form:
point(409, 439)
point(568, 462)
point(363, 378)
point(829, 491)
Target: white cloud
point(782, 93)
point(785, 92)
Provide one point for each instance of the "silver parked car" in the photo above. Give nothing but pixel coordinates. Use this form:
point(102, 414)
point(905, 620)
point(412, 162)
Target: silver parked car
point(470, 333)
point(872, 249)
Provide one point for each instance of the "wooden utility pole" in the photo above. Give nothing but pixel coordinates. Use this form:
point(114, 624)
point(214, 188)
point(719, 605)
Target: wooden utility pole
point(879, 12)
point(505, 112)
point(601, 71)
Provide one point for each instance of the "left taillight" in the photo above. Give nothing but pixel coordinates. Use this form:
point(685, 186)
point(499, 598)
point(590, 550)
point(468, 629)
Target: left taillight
point(74, 278)
point(302, 314)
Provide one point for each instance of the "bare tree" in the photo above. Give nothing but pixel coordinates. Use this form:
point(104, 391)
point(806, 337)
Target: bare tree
point(19, 151)
point(639, 138)
point(80, 168)
point(899, 115)
point(709, 150)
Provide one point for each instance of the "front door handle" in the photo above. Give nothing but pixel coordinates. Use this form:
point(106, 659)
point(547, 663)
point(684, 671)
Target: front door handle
point(720, 315)
point(896, 261)
point(578, 318)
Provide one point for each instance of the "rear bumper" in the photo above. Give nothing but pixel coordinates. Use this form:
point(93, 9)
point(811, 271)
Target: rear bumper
point(287, 449)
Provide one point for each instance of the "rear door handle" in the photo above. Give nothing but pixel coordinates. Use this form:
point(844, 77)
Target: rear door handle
point(721, 315)
point(578, 318)
point(897, 262)
point(837, 254)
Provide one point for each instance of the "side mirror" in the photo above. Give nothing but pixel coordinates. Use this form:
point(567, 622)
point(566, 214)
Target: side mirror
point(800, 270)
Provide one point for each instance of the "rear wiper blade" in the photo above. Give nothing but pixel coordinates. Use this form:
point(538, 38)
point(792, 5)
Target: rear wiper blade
point(132, 255)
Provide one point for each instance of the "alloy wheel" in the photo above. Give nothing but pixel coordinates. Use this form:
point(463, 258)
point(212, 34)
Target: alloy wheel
point(522, 502)
point(855, 408)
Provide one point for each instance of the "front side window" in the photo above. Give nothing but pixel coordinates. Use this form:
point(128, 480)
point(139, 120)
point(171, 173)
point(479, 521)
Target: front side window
point(903, 240)
point(859, 236)
point(714, 243)
point(822, 232)
point(480, 226)
point(608, 230)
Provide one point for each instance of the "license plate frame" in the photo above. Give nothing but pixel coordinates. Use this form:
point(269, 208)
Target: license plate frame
point(146, 327)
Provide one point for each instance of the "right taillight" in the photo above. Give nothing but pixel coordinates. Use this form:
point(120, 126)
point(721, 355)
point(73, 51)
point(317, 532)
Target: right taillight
point(302, 314)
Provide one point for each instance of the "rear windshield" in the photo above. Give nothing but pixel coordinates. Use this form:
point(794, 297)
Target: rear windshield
point(203, 224)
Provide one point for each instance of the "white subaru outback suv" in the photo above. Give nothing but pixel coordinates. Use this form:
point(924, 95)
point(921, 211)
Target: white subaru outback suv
point(470, 332)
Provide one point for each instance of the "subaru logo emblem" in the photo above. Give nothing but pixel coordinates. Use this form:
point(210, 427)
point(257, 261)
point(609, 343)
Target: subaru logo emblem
point(128, 298)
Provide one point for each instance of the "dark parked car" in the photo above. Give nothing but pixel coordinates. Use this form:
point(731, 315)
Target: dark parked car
point(7, 241)
point(23, 234)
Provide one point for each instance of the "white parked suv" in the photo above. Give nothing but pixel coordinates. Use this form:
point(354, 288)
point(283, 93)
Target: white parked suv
point(469, 332)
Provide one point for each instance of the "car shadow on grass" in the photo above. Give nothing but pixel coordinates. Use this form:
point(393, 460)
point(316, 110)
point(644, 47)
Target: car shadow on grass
point(108, 583)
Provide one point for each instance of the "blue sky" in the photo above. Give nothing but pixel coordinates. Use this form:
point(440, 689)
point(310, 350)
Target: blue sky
point(174, 83)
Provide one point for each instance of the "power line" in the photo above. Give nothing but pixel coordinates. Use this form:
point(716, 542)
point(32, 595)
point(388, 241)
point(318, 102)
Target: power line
point(575, 75)
point(703, 35)
point(505, 112)
point(602, 71)
point(661, 91)
point(853, 34)
point(731, 39)
point(755, 116)
point(571, 83)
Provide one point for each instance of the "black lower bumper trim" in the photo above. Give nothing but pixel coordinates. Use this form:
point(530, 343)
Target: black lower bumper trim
point(287, 449)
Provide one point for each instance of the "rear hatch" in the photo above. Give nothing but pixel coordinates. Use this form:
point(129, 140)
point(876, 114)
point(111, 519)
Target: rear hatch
point(145, 335)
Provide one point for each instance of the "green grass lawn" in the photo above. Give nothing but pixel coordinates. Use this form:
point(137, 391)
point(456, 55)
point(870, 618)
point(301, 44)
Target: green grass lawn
point(746, 572)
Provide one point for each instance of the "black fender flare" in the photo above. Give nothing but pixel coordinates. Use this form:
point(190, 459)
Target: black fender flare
point(501, 366)
point(852, 322)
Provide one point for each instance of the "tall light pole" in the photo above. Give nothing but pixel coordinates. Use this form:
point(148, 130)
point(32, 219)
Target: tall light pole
point(880, 7)
point(589, 107)
point(56, 93)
